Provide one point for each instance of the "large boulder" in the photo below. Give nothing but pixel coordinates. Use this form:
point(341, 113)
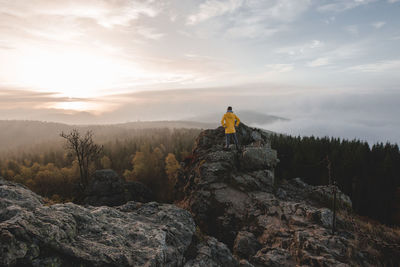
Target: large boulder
point(258, 157)
point(212, 253)
point(325, 195)
point(134, 234)
point(106, 188)
point(138, 234)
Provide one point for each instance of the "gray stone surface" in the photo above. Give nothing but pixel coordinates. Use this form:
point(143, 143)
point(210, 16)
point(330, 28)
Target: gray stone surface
point(212, 253)
point(324, 194)
point(258, 157)
point(134, 234)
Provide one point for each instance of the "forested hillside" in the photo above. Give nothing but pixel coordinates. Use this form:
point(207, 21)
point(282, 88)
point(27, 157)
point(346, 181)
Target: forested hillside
point(150, 156)
point(369, 175)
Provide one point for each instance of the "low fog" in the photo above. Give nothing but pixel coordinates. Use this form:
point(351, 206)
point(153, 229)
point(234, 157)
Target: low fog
point(369, 115)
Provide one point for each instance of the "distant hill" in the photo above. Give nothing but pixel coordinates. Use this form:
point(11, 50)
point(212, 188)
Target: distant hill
point(20, 134)
point(248, 117)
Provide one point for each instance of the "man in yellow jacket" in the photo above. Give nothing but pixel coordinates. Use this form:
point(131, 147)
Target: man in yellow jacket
point(229, 121)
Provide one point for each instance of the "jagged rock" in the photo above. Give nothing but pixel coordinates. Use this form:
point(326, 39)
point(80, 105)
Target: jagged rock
point(245, 263)
point(297, 181)
point(233, 197)
point(274, 257)
point(322, 216)
point(212, 253)
point(245, 244)
point(280, 193)
point(106, 188)
point(258, 158)
point(134, 234)
point(324, 195)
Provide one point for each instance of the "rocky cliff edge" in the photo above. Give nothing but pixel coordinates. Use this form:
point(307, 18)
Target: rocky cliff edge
point(134, 234)
point(235, 197)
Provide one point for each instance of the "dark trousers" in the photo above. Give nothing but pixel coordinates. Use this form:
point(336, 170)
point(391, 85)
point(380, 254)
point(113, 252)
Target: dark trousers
point(228, 140)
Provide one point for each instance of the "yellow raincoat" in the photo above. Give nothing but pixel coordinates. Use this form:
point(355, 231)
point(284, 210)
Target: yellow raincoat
point(229, 120)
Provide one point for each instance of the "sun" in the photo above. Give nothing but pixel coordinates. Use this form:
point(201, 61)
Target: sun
point(73, 73)
point(74, 105)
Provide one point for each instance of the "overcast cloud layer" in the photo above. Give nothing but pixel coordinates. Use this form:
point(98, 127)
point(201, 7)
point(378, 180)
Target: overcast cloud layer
point(330, 66)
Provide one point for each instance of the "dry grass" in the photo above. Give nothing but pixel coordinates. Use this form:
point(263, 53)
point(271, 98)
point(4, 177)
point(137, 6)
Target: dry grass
point(372, 236)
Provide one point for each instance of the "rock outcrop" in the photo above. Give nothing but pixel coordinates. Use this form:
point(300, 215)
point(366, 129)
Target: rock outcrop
point(106, 188)
point(234, 196)
point(134, 234)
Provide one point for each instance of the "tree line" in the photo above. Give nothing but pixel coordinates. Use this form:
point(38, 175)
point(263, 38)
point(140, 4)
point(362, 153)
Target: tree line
point(369, 175)
point(150, 156)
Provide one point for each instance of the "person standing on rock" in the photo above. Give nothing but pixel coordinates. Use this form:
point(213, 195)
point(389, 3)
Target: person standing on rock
point(229, 121)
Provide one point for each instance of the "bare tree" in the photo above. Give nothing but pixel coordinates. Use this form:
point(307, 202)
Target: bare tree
point(85, 150)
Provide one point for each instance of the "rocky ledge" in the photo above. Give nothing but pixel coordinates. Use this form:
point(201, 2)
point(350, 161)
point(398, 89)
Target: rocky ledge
point(134, 234)
point(234, 196)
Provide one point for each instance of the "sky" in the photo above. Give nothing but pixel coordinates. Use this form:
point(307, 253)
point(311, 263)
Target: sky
point(330, 66)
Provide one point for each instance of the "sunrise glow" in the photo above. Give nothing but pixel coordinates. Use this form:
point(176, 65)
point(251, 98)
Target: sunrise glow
point(330, 66)
point(72, 73)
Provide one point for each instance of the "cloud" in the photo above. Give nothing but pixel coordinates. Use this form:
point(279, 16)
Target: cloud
point(378, 24)
point(302, 49)
point(252, 31)
point(213, 8)
point(378, 67)
point(279, 68)
point(16, 97)
point(24, 104)
point(393, 1)
point(323, 61)
point(249, 19)
point(352, 29)
point(364, 115)
point(150, 33)
point(5, 45)
point(343, 5)
point(105, 12)
point(330, 20)
point(279, 10)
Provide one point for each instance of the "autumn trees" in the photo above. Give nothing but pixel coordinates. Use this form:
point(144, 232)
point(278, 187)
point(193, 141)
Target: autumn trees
point(150, 156)
point(156, 169)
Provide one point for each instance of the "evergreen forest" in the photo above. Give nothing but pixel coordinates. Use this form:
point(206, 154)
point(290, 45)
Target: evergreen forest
point(370, 175)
